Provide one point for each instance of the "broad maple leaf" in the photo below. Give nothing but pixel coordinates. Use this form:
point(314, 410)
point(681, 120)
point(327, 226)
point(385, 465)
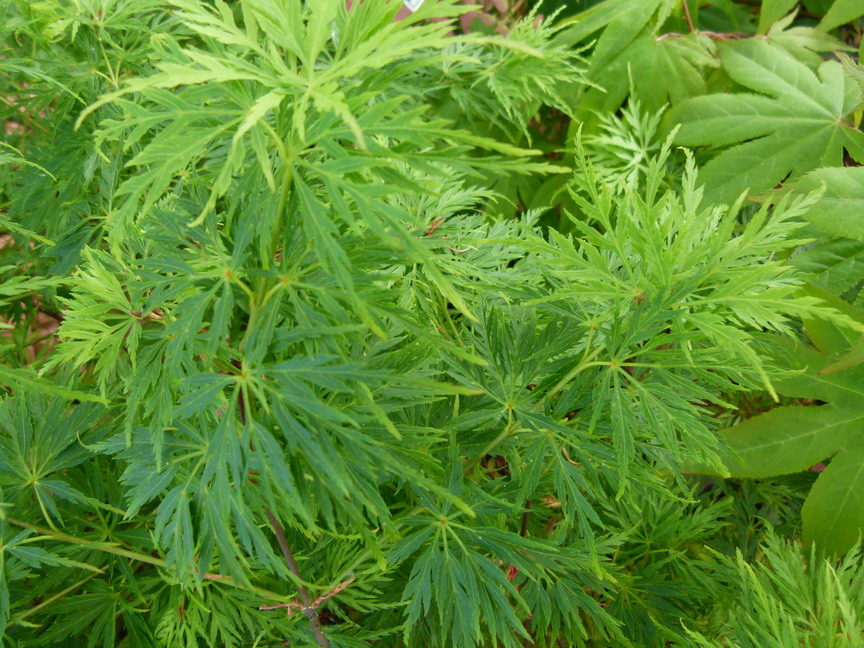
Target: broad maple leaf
point(796, 120)
point(792, 438)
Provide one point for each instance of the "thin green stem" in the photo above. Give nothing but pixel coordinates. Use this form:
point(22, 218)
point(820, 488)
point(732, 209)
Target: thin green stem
point(50, 600)
point(112, 548)
point(584, 364)
point(309, 608)
point(505, 433)
point(112, 76)
point(287, 182)
point(44, 511)
point(367, 553)
point(256, 305)
point(269, 294)
point(246, 289)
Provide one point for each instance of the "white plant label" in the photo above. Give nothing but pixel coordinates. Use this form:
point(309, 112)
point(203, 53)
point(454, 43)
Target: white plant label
point(413, 5)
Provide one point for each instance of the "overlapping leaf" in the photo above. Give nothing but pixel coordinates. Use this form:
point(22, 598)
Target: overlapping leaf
point(794, 437)
point(633, 54)
point(791, 121)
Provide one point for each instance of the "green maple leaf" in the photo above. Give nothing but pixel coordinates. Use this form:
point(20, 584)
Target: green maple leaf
point(792, 438)
point(632, 55)
point(798, 121)
point(841, 12)
point(840, 207)
point(837, 260)
point(658, 69)
point(837, 266)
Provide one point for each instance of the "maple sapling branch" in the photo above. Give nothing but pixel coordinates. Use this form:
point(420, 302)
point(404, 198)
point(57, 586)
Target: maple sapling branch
point(310, 610)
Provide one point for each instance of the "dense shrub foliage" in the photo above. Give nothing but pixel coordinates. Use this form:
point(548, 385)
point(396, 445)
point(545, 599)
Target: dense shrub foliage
point(334, 324)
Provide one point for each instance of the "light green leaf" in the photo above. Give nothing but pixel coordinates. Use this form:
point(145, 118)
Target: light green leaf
point(668, 70)
point(772, 11)
point(261, 107)
point(15, 228)
point(840, 209)
point(14, 288)
point(842, 12)
point(789, 439)
point(834, 510)
point(853, 358)
point(10, 155)
point(838, 265)
point(658, 69)
point(853, 69)
point(27, 381)
point(322, 13)
point(792, 438)
point(582, 25)
point(802, 124)
point(807, 44)
point(831, 338)
point(282, 22)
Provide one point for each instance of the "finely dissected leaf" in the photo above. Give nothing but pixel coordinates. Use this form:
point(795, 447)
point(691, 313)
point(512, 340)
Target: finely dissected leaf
point(39, 441)
point(645, 397)
point(17, 557)
point(793, 596)
point(193, 127)
point(104, 322)
point(20, 287)
point(9, 155)
point(28, 381)
point(802, 121)
point(350, 396)
point(840, 208)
